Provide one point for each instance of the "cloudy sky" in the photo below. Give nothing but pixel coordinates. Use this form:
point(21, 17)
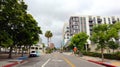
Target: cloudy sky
point(52, 14)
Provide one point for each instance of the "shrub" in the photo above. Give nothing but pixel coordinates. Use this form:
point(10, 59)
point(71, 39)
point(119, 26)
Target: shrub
point(107, 56)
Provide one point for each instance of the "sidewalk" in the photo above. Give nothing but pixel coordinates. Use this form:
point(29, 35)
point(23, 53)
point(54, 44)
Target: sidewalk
point(4, 61)
point(108, 61)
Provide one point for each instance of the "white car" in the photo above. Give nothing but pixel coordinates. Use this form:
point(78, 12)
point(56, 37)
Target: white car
point(34, 54)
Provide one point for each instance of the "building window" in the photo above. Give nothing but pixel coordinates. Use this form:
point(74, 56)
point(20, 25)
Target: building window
point(67, 31)
point(77, 19)
point(67, 34)
point(74, 31)
point(113, 20)
point(109, 20)
point(94, 20)
point(75, 27)
point(74, 23)
point(105, 20)
point(118, 19)
point(67, 27)
point(90, 19)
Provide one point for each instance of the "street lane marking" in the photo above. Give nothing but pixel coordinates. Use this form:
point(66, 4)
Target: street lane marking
point(70, 63)
point(57, 60)
point(46, 62)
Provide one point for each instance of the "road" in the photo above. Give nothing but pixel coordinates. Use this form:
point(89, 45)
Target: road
point(58, 60)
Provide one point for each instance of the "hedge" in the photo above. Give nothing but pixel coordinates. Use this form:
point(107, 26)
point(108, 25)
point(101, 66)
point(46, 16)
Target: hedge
point(115, 56)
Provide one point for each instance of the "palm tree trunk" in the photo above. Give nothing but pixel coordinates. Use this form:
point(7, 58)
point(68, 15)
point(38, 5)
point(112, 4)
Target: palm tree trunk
point(48, 42)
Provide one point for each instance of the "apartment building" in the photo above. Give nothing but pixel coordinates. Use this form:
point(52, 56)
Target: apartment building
point(85, 23)
point(66, 33)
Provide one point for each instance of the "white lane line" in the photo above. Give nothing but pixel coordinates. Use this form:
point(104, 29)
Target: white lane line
point(46, 62)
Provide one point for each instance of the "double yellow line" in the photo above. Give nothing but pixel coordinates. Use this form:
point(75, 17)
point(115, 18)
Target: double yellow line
point(70, 63)
point(66, 60)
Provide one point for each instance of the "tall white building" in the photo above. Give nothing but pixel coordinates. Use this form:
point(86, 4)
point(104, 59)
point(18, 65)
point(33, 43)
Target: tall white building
point(66, 33)
point(85, 23)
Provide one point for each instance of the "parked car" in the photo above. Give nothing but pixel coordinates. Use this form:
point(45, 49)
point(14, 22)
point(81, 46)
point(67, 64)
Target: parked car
point(34, 54)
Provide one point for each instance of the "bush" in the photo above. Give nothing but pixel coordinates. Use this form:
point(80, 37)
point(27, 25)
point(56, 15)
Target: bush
point(48, 50)
point(115, 56)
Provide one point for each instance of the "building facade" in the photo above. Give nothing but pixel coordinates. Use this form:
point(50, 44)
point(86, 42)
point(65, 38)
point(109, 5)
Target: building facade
point(85, 24)
point(66, 33)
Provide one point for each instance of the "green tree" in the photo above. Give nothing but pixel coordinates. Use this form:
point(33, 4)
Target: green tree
point(79, 40)
point(116, 26)
point(21, 27)
point(11, 15)
point(48, 35)
point(5, 40)
point(113, 45)
point(103, 34)
point(99, 36)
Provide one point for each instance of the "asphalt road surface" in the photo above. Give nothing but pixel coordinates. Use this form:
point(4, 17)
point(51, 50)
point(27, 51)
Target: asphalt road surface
point(58, 60)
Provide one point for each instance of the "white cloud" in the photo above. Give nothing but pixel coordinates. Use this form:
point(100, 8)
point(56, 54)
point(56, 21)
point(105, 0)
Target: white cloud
point(52, 14)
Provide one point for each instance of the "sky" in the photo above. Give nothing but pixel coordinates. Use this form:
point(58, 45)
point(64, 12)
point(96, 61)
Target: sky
point(52, 14)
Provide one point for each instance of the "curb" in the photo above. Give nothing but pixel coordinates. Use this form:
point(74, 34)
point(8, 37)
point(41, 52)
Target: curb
point(13, 64)
point(101, 63)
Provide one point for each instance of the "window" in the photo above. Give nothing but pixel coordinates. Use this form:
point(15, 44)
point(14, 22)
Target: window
point(105, 20)
point(74, 31)
point(75, 27)
point(67, 34)
point(67, 37)
point(67, 27)
point(109, 20)
point(94, 19)
point(77, 19)
point(90, 19)
point(75, 23)
point(113, 20)
point(118, 19)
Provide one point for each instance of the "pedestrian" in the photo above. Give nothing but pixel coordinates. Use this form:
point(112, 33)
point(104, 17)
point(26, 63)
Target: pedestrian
point(75, 50)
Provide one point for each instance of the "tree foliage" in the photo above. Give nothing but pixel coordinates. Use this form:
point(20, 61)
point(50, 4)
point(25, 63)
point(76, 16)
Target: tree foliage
point(17, 27)
point(103, 34)
point(79, 40)
point(48, 35)
point(113, 45)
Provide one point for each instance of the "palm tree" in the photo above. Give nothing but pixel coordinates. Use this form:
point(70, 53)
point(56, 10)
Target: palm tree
point(48, 35)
